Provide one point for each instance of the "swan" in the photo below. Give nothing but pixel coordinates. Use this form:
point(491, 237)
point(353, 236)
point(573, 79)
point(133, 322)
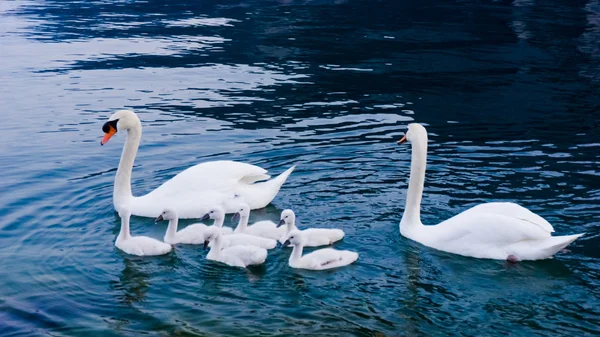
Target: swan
point(138, 245)
point(192, 234)
point(218, 214)
point(495, 230)
point(320, 259)
point(195, 189)
point(313, 237)
point(266, 229)
point(235, 256)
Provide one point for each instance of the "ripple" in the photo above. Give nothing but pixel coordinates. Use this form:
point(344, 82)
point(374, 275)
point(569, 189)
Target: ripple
point(322, 86)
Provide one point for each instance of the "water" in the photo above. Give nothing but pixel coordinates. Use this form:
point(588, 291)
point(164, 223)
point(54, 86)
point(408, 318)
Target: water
point(508, 91)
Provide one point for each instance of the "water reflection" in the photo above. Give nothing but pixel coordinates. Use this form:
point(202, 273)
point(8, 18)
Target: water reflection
point(507, 90)
point(133, 282)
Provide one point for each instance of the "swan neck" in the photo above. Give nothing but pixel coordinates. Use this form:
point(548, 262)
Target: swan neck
point(122, 190)
point(290, 227)
point(219, 222)
point(172, 228)
point(412, 211)
point(215, 249)
point(243, 224)
point(296, 254)
point(124, 233)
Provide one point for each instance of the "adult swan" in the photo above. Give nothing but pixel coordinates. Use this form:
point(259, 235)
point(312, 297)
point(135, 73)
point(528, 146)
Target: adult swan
point(495, 230)
point(196, 189)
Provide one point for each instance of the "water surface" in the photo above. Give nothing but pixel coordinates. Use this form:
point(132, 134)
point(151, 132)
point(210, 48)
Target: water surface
point(507, 90)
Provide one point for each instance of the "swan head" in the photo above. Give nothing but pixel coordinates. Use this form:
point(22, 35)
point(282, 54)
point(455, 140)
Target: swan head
point(214, 213)
point(167, 214)
point(294, 238)
point(120, 120)
point(210, 234)
point(415, 133)
point(287, 218)
point(243, 210)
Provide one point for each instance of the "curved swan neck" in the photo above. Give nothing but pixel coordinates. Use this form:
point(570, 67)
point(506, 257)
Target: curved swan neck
point(296, 253)
point(219, 221)
point(172, 228)
point(215, 249)
point(124, 233)
point(412, 211)
point(243, 224)
point(290, 227)
point(122, 189)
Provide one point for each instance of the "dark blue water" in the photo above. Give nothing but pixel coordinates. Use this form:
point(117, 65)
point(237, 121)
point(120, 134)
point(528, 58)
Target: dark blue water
point(509, 92)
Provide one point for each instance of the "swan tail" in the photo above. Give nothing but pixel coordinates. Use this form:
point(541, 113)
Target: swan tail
point(261, 194)
point(549, 247)
point(259, 256)
point(562, 241)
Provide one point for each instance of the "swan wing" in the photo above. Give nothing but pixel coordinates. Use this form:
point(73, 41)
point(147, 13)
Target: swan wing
point(250, 240)
point(322, 236)
point(225, 183)
point(266, 229)
point(145, 246)
point(242, 256)
point(218, 175)
point(513, 210)
point(485, 228)
point(192, 234)
point(328, 258)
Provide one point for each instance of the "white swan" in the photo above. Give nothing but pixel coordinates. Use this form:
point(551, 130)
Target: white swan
point(218, 214)
point(313, 237)
point(496, 230)
point(138, 245)
point(193, 190)
point(266, 229)
point(192, 234)
point(320, 259)
point(235, 256)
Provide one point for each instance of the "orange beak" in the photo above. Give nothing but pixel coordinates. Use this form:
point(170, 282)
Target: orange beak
point(111, 132)
point(403, 140)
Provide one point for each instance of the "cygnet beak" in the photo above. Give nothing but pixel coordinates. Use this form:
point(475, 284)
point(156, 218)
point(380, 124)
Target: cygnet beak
point(205, 217)
point(236, 216)
point(160, 218)
point(286, 243)
point(205, 244)
point(281, 223)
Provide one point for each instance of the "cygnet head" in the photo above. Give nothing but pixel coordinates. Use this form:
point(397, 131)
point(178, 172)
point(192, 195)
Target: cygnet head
point(120, 120)
point(167, 214)
point(210, 234)
point(415, 133)
point(242, 210)
point(216, 212)
point(287, 217)
point(294, 238)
